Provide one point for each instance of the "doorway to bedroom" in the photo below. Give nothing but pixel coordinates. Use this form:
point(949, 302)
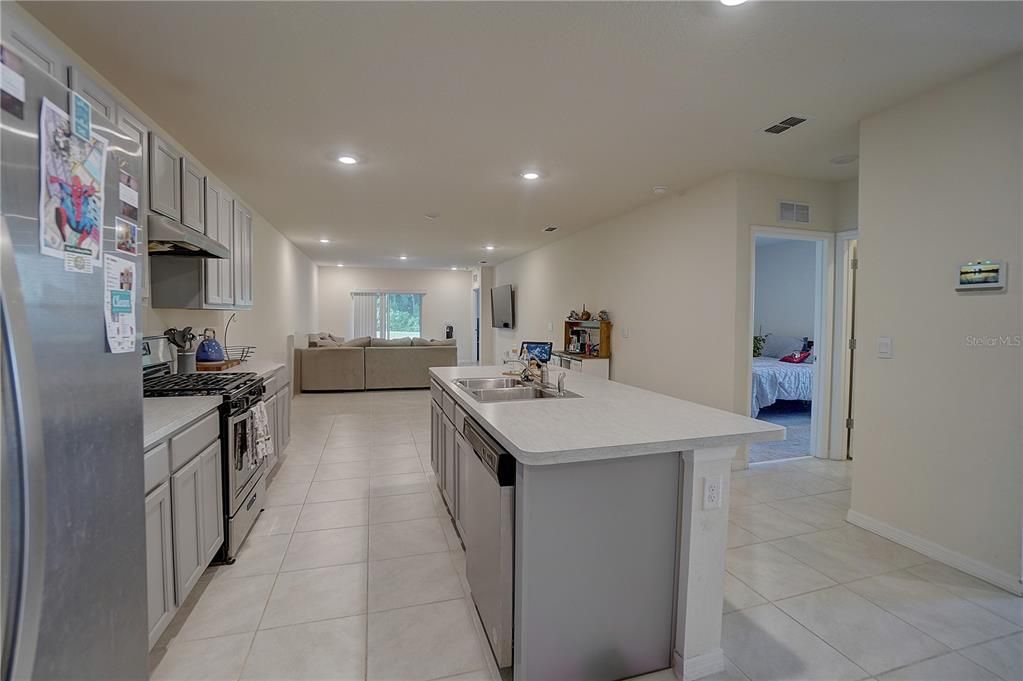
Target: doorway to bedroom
point(789, 301)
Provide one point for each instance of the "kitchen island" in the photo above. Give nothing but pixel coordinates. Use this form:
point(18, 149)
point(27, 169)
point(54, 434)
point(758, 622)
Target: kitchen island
point(620, 508)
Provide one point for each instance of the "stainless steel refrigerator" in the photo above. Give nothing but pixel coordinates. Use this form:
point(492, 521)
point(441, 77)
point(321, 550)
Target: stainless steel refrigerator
point(74, 585)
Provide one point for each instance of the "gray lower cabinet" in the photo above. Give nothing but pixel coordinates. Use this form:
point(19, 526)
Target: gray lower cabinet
point(436, 439)
point(463, 455)
point(159, 561)
point(212, 495)
point(189, 551)
point(272, 417)
point(448, 466)
point(164, 177)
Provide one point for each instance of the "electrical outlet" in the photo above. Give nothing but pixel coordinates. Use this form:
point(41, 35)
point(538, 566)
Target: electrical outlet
point(550, 326)
point(712, 493)
point(625, 332)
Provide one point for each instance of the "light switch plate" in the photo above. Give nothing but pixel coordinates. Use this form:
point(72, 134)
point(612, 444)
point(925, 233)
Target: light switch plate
point(884, 347)
point(550, 326)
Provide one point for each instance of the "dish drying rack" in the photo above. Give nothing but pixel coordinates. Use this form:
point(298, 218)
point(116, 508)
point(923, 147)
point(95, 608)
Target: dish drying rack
point(239, 352)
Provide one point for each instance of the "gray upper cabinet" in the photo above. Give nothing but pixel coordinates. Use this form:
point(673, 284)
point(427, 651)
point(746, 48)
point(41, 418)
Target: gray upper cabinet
point(241, 254)
point(193, 195)
point(164, 178)
point(219, 284)
point(101, 100)
point(131, 125)
point(30, 46)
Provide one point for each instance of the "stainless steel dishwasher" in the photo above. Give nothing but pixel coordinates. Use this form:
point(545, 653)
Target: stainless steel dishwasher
point(488, 530)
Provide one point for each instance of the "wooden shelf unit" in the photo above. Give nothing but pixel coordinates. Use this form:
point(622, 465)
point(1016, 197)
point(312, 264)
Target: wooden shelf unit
point(602, 330)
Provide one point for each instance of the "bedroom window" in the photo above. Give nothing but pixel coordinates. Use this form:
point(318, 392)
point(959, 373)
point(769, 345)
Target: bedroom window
point(387, 314)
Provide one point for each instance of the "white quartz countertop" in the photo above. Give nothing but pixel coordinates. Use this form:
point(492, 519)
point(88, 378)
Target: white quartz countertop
point(164, 416)
point(610, 420)
point(263, 367)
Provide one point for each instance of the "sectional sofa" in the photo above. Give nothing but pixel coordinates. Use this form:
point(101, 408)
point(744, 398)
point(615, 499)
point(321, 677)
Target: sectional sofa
point(371, 363)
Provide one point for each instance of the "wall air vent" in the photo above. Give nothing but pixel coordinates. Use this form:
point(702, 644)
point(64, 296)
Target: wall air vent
point(787, 124)
point(790, 211)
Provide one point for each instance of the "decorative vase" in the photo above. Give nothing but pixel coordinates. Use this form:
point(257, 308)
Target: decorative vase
point(584, 315)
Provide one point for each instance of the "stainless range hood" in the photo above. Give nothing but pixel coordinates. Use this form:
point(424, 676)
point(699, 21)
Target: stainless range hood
point(169, 237)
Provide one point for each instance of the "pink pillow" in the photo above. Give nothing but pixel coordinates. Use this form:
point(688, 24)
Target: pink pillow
point(795, 357)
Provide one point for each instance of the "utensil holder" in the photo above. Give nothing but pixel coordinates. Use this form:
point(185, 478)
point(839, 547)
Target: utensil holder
point(186, 362)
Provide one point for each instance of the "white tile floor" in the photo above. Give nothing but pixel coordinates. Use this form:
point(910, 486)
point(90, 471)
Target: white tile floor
point(354, 572)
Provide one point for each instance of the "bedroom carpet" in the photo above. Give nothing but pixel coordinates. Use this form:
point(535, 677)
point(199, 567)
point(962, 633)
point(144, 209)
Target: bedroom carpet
point(795, 416)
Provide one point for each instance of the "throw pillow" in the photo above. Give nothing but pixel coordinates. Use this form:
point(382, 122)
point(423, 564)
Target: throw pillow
point(418, 342)
point(361, 342)
point(795, 357)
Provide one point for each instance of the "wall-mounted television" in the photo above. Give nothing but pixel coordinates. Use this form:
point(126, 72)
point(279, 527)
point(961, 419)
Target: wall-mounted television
point(502, 307)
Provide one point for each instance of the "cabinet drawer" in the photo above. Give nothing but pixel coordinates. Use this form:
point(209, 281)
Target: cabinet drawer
point(448, 405)
point(157, 466)
point(436, 391)
point(194, 439)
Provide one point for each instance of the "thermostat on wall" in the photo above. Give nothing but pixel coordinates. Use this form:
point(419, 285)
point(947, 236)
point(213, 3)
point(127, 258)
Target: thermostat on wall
point(981, 274)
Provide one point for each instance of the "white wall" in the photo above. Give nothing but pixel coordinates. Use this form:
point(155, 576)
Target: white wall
point(447, 299)
point(937, 442)
point(785, 287)
point(666, 274)
point(848, 205)
point(283, 278)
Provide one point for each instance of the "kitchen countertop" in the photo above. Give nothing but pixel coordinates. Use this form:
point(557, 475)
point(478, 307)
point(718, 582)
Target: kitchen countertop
point(611, 420)
point(164, 416)
point(263, 367)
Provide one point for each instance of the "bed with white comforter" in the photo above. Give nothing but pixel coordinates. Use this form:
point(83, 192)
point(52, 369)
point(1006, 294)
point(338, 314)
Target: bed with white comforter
point(776, 380)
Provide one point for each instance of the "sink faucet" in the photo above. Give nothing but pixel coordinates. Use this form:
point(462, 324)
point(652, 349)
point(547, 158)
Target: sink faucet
point(561, 383)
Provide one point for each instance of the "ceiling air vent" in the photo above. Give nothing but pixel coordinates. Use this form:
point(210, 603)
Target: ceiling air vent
point(782, 126)
point(790, 211)
point(550, 228)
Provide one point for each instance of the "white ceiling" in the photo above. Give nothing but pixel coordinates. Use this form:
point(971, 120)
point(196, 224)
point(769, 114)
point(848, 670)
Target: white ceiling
point(448, 102)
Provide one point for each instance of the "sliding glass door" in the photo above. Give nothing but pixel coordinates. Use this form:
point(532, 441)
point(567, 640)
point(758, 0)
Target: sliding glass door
point(396, 314)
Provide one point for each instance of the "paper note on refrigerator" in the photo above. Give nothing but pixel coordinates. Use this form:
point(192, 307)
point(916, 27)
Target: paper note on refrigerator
point(119, 302)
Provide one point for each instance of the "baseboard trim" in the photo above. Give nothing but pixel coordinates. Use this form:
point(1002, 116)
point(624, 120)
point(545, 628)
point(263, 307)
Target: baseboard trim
point(970, 566)
point(698, 666)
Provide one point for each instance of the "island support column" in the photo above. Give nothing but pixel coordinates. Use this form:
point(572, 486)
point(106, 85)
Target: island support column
point(703, 540)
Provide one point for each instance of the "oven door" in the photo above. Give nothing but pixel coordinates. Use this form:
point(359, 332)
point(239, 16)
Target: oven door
point(241, 451)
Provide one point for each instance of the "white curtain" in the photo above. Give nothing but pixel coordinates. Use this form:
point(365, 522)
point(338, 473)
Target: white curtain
point(364, 315)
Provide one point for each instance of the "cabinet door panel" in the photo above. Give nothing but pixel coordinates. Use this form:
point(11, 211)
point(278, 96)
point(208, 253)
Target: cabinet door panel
point(33, 48)
point(186, 497)
point(131, 125)
point(225, 266)
point(159, 561)
point(212, 492)
point(164, 178)
point(286, 418)
point(271, 417)
point(448, 488)
point(211, 266)
point(102, 101)
point(241, 260)
point(193, 195)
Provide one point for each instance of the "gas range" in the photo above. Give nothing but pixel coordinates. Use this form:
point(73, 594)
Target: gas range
point(212, 383)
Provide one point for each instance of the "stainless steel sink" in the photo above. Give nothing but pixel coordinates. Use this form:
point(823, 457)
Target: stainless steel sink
point(508, 390)
point(472, 384)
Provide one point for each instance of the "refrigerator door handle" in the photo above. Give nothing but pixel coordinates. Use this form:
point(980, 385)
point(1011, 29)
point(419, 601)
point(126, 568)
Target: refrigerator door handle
point(23, 602)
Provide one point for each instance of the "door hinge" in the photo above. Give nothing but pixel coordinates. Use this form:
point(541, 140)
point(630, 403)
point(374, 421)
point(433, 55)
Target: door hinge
point(852, 343)
point(854, 264)
point(849, 423)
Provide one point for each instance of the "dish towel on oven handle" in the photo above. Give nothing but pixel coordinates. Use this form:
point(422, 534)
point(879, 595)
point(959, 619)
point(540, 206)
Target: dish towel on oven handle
point(261, 434)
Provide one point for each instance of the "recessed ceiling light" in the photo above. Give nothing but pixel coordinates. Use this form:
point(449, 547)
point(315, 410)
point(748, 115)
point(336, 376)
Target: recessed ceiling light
point(844, 160)
point(732, 3)
point(489, 248)
point(660, 189)
point(340, 264)
point(431, 216)
point(348, 159)
point(453, 269)
point(550, 228)
point(324, 241)
point(402, 257)
point(530, 175)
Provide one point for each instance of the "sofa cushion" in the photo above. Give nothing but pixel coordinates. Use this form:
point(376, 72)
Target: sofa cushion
point(426, 342)
point(360, 342)
point(390, 343)
point(407, 367)
point(323, 340)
